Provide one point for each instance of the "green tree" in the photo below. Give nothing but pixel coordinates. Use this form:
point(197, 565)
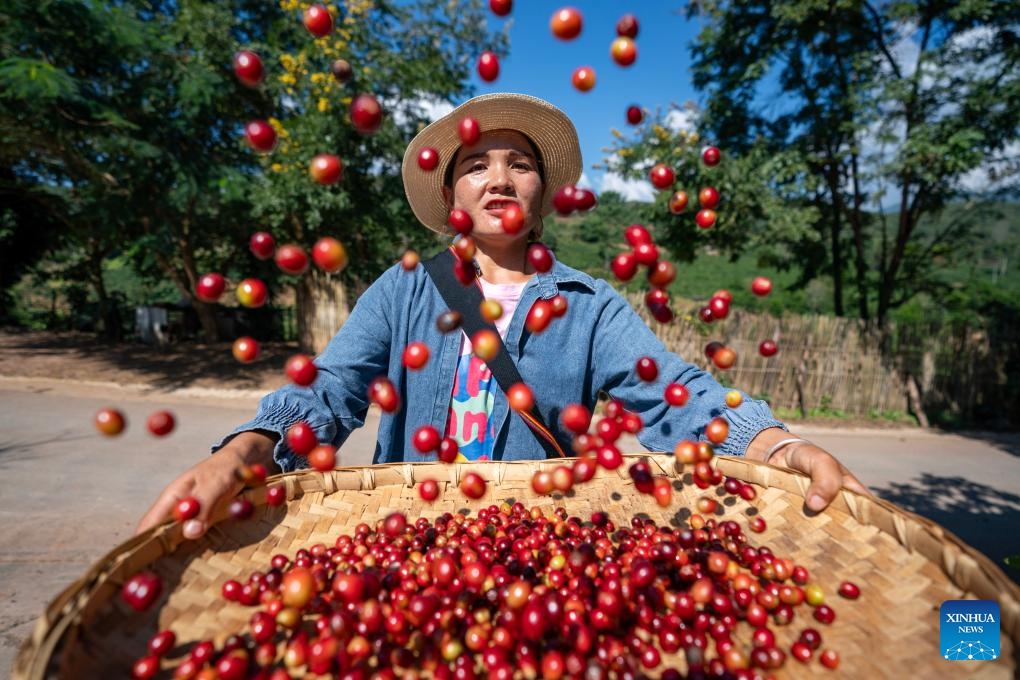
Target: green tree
point(889, 105)
point(763, 207)
point(410, 56)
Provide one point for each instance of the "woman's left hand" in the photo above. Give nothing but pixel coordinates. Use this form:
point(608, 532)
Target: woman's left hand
point(827, 474)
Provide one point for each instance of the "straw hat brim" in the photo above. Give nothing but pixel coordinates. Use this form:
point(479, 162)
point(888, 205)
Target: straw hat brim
point(546, 126)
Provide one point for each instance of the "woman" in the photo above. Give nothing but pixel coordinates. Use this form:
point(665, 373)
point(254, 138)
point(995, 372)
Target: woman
point(526, 151)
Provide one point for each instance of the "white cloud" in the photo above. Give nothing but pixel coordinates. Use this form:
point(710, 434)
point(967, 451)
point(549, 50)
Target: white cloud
point(585, 182)
point(681, 120)
point(997, 172)
point(630, 189)
point(430, 108)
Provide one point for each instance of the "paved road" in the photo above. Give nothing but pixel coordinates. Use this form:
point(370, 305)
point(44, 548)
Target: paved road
point(69, 496)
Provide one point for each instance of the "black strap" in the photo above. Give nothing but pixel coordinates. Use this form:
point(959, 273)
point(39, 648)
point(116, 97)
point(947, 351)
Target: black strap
point(466, 300)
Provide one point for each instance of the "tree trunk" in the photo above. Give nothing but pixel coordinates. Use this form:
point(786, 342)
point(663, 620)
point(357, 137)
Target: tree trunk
point(321, 310)
point(108, 311)
point(207, 319)
point(837, 251)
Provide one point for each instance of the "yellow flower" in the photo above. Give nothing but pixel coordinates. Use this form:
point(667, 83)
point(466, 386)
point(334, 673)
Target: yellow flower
point(276, 167)
point(281, 131)
point(288, 79)
point(323, 105)
point(318, 77)
point(287, 61)
point(693, 138)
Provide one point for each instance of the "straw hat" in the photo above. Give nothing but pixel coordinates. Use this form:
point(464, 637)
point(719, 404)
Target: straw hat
point(552, 133)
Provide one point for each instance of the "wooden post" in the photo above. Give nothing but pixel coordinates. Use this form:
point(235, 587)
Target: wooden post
point(321, 310)
point(914, 399)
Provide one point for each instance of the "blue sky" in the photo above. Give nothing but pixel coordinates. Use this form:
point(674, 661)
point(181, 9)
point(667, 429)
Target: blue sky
point(540, 64)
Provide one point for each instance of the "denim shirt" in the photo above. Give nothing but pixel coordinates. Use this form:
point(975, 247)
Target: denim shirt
point(593, 347)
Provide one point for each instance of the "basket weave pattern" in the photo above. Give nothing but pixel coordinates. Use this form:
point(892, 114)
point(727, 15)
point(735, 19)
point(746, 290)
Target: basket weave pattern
point(905, 565)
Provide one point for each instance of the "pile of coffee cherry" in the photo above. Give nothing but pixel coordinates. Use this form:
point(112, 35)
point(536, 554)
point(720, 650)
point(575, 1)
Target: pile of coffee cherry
point(513, 592)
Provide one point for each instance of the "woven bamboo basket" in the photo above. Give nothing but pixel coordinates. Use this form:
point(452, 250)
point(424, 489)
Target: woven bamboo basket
point(905, 565)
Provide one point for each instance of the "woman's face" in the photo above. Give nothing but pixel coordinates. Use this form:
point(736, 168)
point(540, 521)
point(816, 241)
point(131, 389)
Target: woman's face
point(499, 170)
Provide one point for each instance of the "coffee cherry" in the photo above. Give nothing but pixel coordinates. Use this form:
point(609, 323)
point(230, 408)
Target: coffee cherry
point(318, 21)
point(276, 495)
point(428, 159)
point(583, 78)
point(252, 293)
point(485, 344)
point(767, 348)
point(145, 667)
point(298, 587)
point(624, 266)
point(322, 458)
point(416, 355)
point(470, 131)
point(717, 430)
point(678, 202)
point(635, 115)
point(584, 199)
point(490, 310)
point(512, 219)
point(329, 255)
point(501, 8)
point(409, 260)
point(240, 508)
point(623, 50)
point(734, 398)
point(520, 397)
point(563, 199)
point(566, 23)
point(366, 114)
point(301, 370)
point(849, 590)
point(676, 394)
point(539, 316)
point(186, 508)
point(627, 26)
point(428, 490)
point(829, 659)
point(761, 286)
point(708, 197)
point(646, 254)
point(301, 438)
point(461, 221)
point(260, 136)
point(426, 439)
point(824, 613)
point(162, 643)
point(262, 245)
point(142, 590)
point(662, 176)
point(448, 450)
point(638, 234)
point(647, 369)
point(724, 358)
point(710, 156)
point(326, 169)
point(472, 485)
point(575, 418)
point(248, 68)
point(447, 322)
point(488, 66)
point(209, 287)
point(341, 70)
point(705, 218)
point(110, 421)
point(245, 349)
point(540, 257)
point(291, 259)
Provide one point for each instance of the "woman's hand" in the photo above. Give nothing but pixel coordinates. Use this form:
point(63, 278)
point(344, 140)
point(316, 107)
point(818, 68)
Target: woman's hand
point(827, 474)
point(213, 482)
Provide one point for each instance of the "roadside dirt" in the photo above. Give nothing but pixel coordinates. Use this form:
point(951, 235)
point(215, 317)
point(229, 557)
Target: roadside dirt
point(81, 357)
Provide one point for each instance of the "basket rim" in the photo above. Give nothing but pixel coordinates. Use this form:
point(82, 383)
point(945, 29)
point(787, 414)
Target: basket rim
point(964, 567)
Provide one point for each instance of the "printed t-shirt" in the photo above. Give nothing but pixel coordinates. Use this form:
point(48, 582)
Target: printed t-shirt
point(469, 422)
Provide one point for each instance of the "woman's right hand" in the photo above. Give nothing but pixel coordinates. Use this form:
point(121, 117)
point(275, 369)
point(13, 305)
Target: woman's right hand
point(213, 482)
